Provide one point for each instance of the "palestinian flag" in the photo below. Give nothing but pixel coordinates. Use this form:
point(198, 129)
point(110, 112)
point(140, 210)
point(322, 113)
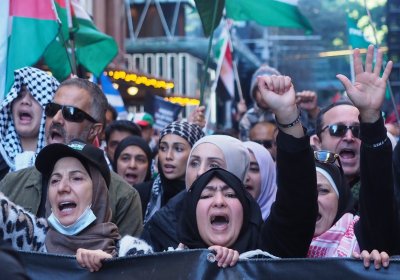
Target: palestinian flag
point(27, 27)
point(94, 50)
point(280, 13)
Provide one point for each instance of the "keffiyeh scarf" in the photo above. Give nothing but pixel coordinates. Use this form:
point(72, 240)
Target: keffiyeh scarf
point(42, 87)
point(338, 241)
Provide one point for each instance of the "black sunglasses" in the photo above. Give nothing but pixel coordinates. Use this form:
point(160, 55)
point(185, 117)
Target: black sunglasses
point(328, 157)
point(70, 113)
point(266, 143)
point(339, 130)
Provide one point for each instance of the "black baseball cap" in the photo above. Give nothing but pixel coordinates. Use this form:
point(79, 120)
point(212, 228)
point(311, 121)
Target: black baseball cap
point(86, 153)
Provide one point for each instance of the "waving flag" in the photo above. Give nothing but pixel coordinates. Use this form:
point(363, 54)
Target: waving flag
point(281, 13)
point(94, 50)
point(28, 27)
point(225, 63)
point(113, 96)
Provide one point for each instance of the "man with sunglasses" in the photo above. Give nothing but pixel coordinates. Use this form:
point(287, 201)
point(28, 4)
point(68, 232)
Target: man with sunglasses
point(362, 125)
point(337, 130)
point(77, 111)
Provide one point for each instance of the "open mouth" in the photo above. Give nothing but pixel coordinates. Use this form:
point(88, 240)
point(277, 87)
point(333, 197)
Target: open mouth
point(67, 205)
point(25, 116)
point(319, 217)
point(248, 188)
point(347, 154)
point(219, 220)
point(131, 176)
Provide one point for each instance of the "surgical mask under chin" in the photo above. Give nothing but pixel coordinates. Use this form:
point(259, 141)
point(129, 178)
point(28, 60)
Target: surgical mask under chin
point(80, 224)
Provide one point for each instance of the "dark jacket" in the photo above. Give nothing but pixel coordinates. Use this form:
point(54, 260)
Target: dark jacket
point(170, 188)
point(289, 228)
point(378, 227)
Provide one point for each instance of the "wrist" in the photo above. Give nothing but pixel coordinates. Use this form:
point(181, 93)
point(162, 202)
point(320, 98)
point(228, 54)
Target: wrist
point(289, 124)
point(370, 116)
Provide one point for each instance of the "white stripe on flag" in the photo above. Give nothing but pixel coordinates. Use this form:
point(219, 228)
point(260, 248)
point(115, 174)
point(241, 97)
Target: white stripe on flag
point(115, 100)
point(290, 2)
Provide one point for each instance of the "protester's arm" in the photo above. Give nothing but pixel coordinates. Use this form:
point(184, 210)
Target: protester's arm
point(289, 229)
point(198, 116)
point(378, 227)
point(308, 101)
point(25, 231)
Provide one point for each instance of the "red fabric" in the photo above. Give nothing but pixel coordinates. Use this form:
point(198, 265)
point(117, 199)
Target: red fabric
point(39, 9)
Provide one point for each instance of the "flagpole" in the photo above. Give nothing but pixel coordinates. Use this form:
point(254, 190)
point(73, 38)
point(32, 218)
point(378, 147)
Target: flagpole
point(235, 70)
point(71, 38)
point(203, 84)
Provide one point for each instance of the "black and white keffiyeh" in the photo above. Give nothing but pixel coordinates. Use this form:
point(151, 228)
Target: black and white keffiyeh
point(189, 131)
point(42, 87)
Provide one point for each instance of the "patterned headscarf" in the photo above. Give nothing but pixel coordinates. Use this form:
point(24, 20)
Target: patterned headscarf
point(42, 87)
point(189, 131)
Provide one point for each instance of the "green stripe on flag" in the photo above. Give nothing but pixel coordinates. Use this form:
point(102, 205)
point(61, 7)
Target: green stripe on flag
point(29, 39)
point(267, 12)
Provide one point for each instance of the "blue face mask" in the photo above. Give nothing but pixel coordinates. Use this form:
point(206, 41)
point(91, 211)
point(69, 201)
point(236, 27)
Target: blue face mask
point(80, 224)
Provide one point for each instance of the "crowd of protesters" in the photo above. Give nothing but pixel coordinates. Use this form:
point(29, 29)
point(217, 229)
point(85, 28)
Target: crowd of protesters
point(305, 182)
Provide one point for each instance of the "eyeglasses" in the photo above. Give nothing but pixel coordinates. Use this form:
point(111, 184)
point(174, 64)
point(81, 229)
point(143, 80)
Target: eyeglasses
point(266, 143)
point(70, 113)
point(339, 130)
point(328, 157)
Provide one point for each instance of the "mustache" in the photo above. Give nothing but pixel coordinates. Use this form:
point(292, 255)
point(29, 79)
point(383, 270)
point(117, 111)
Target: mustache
point(57, 128)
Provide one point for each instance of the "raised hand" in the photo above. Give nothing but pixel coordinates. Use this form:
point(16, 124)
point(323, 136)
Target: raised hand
point(278, 92)
point(307, 100)
point(198, 116)
point(368, 91)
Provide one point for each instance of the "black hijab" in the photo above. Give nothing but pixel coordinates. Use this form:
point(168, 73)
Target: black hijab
point(188, 232)
point(134, 141)
point(346, 201)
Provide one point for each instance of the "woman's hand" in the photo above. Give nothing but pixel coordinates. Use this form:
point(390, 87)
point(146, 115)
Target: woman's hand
point(225, 256)
point(380, 259)
point(91, 259)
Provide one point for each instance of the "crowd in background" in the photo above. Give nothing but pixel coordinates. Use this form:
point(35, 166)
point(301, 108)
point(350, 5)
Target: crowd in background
point(297, 180)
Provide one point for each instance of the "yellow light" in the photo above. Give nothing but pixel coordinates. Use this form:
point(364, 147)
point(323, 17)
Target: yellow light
point(347, 52)
point(183, 101)
point(133, 91)
point(130, 77)
point(115, 85)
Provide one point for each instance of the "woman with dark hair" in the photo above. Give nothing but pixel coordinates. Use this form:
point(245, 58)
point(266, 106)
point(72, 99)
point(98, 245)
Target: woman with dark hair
point(176, 141)
point(132, 160)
